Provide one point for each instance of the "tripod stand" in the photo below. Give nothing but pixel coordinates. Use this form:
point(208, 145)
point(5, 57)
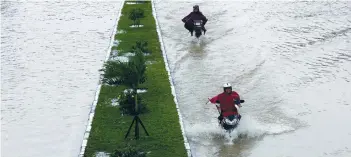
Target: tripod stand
point(137, 120)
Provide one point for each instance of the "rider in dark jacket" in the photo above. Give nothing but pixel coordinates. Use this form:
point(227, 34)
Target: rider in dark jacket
point(195, 15)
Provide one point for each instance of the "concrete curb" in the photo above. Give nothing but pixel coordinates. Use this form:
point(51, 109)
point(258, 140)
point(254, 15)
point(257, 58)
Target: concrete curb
point(187, 146)
point(93, 106)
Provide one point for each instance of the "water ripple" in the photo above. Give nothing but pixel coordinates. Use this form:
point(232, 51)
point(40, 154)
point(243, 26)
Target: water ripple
point(269, 51)
point(50, 55)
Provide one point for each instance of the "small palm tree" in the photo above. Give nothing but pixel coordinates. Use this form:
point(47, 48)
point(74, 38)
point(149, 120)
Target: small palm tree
point(131, 74)
point(135, 15)
point(133, 79)
point(113, 72)
point(136, 74)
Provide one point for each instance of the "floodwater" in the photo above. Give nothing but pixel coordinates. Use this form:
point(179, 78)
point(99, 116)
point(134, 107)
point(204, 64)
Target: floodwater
point(290, 61)
point(51, 52)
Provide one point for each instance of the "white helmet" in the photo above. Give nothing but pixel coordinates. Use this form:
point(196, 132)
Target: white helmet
point(226, 86)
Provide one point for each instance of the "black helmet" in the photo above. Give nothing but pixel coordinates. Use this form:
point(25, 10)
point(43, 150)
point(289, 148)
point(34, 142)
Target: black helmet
point(196, 7)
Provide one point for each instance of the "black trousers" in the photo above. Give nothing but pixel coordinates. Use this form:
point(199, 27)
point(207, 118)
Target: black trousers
point(189, 27)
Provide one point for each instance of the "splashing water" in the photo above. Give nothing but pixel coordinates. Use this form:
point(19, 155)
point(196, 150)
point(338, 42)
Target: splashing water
point(248, 129)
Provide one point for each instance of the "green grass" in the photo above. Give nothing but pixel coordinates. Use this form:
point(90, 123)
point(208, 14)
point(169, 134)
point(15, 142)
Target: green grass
point(162, 122)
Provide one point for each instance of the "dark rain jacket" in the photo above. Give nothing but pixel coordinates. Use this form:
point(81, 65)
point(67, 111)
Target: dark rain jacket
point(194, 16)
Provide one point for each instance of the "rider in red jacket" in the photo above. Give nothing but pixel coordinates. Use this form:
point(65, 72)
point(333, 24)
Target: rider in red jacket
point(227, 101)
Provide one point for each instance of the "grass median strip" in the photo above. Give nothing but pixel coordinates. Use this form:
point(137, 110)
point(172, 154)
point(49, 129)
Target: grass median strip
point(161, 121)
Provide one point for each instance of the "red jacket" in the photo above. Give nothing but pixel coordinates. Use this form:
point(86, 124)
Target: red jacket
point(227, 103)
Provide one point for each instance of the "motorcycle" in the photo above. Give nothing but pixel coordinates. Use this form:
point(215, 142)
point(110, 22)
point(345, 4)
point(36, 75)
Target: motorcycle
point(198, 28)
point(231, 122)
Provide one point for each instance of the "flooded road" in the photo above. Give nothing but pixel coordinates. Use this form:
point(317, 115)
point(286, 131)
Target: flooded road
point(50, 56)
point(290, 61)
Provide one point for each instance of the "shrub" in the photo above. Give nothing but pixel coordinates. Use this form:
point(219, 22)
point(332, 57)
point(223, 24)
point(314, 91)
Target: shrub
point(128, 152)
point(127, 104)
point(142, 46)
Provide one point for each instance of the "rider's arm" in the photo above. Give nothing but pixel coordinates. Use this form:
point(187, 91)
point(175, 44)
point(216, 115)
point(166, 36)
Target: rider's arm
point(186, 18)
point(204, 19)
point(237, 98)
point(214, 99)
